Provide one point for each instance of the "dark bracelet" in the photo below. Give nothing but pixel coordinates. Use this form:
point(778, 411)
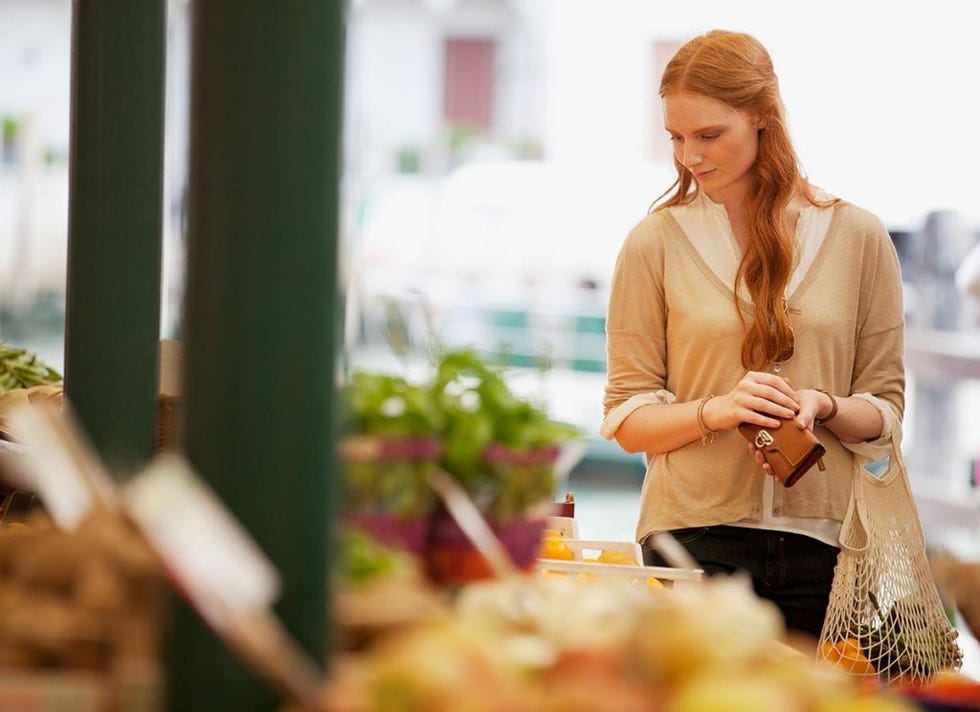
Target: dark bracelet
point(833, 408)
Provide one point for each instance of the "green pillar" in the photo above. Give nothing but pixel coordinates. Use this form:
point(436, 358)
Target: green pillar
point(260, 312)
point(114, 224)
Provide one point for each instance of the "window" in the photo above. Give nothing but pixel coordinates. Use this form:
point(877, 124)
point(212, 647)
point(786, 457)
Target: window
point(468, 88)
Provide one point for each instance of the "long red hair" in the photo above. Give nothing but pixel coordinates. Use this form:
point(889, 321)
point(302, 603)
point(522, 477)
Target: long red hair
point(736, 69)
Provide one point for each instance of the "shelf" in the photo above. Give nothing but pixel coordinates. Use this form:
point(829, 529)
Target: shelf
point(942, 355)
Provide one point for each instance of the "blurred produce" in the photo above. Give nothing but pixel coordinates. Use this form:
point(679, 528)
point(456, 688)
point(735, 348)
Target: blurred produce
point(960, 583)
point(35, 384)
point(38, 396)
point(16, 506)
point(553, 546)
point(377, 588)
point(80, 608)
point(586, 559)
point(946, 692)
point(363, 559)
point(20, 368)
point(537, 643)
point(463, 420)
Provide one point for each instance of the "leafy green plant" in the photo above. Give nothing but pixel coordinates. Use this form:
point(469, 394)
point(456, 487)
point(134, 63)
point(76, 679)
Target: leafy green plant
point(499, 446)
point(390, 443)
point(363, 558)
point(388, 404)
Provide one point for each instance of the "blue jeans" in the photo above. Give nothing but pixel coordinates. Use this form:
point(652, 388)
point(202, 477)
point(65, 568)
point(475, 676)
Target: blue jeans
point(791, 570)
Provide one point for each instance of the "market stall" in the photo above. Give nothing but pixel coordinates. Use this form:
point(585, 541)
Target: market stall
point(477, 619)
point(293, 568)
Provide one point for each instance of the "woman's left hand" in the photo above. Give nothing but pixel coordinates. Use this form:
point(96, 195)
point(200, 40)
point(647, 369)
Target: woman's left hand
point(811, 403)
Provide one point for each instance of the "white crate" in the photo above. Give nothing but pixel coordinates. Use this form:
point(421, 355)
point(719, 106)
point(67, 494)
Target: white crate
point(566, 526)
point(591, 548)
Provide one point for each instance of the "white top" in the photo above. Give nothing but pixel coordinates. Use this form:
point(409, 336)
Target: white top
point(704, 221)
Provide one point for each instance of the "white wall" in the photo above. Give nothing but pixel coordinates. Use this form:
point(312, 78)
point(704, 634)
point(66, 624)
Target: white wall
point(35, 65)
point(881, 97)
point(34, 90)
point(881, 100)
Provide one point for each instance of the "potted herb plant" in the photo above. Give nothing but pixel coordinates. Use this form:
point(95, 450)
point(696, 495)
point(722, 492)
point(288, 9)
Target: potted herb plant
point(465, 420)
point(502, 449)
point(390, 441)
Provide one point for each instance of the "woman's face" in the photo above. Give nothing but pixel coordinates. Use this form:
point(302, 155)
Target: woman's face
point(716, 143)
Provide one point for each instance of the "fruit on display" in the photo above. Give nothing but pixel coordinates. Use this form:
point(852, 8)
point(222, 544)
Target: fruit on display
point(529, 642)
point(951, 691)
point(443, 667)
point(553, 546)
point(562, 613)
point(592, 681)
point(611, 556)
point(736, 691)
point(718, 625)
point(655, 584)
point(376, 587)
point(608, 562)
point(363, 559)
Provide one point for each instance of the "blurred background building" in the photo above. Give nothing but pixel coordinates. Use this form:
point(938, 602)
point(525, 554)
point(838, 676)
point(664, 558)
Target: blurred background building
point(496, 154)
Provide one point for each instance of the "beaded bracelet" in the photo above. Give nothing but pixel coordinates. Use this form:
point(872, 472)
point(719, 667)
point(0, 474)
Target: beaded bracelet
point(707, 434)
point(833, 408)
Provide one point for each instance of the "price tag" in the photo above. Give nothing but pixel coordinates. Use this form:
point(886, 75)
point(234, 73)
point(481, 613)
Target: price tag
point(58, 464)
point(209, 555)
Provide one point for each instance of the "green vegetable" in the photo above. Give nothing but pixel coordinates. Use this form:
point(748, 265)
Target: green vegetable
point(20, 368)
point(363, 558)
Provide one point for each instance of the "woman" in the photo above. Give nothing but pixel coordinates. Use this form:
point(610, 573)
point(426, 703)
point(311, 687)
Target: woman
point(749, 295)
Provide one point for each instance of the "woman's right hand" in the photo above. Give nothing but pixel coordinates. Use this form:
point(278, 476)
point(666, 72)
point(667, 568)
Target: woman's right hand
point(760, 398)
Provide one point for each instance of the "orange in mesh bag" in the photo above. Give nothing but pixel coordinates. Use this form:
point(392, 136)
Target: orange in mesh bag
point(883, 599)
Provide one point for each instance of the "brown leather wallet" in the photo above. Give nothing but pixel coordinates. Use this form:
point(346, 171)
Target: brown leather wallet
point(789, 451)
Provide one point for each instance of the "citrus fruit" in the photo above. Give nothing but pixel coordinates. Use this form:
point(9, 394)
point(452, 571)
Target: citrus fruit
point(611, 556)
point(655, 584)
point(555, 548)
point(847, 655)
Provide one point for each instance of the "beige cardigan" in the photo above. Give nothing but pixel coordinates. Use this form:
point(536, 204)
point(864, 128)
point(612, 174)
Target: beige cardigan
point(672, 326)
